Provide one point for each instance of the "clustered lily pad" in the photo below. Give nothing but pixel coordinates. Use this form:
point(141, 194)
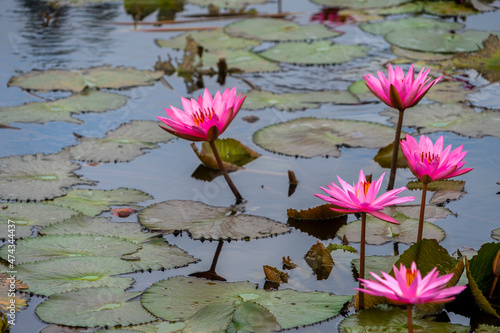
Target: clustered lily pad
point(383, 28)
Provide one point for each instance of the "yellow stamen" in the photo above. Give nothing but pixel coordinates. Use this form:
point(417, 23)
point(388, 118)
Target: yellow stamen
point(411, 274)
point(429, 157)
point(365, 186)
point(200, 116)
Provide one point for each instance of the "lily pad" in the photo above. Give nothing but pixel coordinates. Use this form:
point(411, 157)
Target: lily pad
point(448, 92)
point(438, 41)
point(188, 296)
point(84, 225)
point(478, 294)
point(405, 8)
point(448, 8)
point(243, 60)
point(62, 109)
point(314, 53)
point(420, 56)
point(229, 4)
point(97, 77)
point(375, 264)
point(322, 212)
point(379, 232)
point(456, 118)
point(384, 157)
point(320, 260)
point(481, 266)
point(27, 215)
point(360, 90)
point(38, 177)
point(360, 3)
point(278, 30)
point(94, 307)
point(234, 154)
point(122, 144)
point(63, 246)
point(61, 275)
point(158, 254)
point(211, 40)
point(383, 28)
point(432, 213)
point(257, 99)
point(486, 61)
point(392, 319)
point(207, 222)
point(446, 190)
point(309, 137)
point(93, 202)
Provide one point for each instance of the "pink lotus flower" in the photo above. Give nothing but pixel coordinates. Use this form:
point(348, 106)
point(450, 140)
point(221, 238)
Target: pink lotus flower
point(362, 197)
point(203, 119)
point(398, 91)
point(430, 162)
point(410, 288)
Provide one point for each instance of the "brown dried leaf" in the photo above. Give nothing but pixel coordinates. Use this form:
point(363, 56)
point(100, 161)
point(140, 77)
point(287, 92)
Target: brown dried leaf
point(318, 213)
point(288, 263)
point(320, 260)
point(486, 60)
point(123, 212)
point(275, 275)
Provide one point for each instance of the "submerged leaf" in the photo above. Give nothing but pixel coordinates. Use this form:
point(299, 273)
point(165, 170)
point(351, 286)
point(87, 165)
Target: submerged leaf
point(38, 177)
point(232, 152)
point(486, 61)
point(309, 137)
point(207, 222)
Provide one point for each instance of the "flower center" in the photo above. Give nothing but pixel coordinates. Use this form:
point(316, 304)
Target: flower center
point(410, 276)
point(201, 115)
point(429, 157)
point(363, 186)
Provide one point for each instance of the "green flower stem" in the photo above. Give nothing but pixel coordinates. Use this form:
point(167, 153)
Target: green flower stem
point(395, 151)
point(410, 319)
point(362, 261)
point(237, 194)
point(422, 211)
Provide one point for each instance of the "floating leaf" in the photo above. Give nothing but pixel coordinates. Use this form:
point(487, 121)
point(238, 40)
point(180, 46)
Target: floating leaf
point(379, 232)
point(97, 77)
point(288, 263)
point(448, 8)
point(233, 154)
point(27, 215)
point(318, 213)
point(432, 213)
point(323, 229)
point(61, 275)
point(8, 287)
point(244, 319)
point(211, 40)
point(187, 296)
point(84, 225)
point(387, 26)
point(62, 109)
point(405, 8)
point(438, 41)
point(448, 92)
point(257, 99)
point(207, 222)
point(477, 293)
point(320, 260)
point(481, 266)
point(334, 247)
point(360, 3)
point(309, 137)
point(158, 254)
point(314, 53)
point(94, 307)
point(93, 202)
point(38, 177)
point(230, 4)
point(456, 118)
point(375, 264)
point(360, 90)
point(446, 190)
point(275, 275)
point(420, 56)
point(243, 60)
point(384, 157)
point(393, 319)
point(483, 328)
point(122, 144)
point(63, 246)
point(486, 61)
point(277, 30)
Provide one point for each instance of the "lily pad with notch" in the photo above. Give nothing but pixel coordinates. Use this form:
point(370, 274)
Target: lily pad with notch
point(122, 144)
point(309, 137)
point(94, 307)
point(38, 177)
point(207, 222)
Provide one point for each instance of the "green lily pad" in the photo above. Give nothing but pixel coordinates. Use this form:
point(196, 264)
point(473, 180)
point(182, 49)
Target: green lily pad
point(360, 3)
point(379, 232)
point(483, 328)
point(384, 157)
point(122, 144)
point(420, 56)
point(448, 92)
point(481, 267)
point(94, 307)
point(234, 154)
point(438, 41)
point(229, 4)
point(385, 318)
point(97, 77)
point(27, 215)
point(63, 246)
point(38, 177)
point(93, 202)
point(360, 90)
point(188, 296)
point(257, 100)
point(61, 275)
point(486, 61)
point(207, 222)
point(84, 225)
point(158, 254)
point(375, 264)
point(448, 8)
point(211, 40)
point(62, 109)
point(309, 137)
point(432, 213)
point(314, 53)
point(405, 8)
point(243, 60)
point(383, 28)
point(277, 30)
point(456, 118)
point(478, 294)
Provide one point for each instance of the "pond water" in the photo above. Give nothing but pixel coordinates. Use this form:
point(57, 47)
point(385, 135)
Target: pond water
point(83, 37)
